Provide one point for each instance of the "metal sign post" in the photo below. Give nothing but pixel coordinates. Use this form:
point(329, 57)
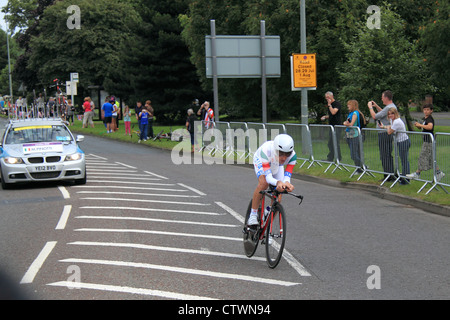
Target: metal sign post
point(214, 70)
point(263, 72)
point(304, 105)
point(73, 85)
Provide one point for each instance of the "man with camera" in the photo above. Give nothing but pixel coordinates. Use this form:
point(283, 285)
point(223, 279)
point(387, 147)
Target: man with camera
point(206, 114)
point(384, 139)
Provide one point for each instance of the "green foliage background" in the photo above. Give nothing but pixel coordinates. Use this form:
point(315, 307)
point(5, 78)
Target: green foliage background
point(150, 49)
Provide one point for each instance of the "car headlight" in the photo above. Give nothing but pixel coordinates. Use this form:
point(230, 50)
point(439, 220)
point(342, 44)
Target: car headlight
point(73, 157)
point(12, 160)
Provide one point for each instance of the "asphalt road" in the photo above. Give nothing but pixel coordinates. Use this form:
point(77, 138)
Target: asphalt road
point(144, 228)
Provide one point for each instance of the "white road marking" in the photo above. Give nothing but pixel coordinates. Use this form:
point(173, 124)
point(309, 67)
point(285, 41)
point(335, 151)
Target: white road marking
point(99, 176)
point(165, 249)
point(131, 182)
point(95, 170)
point(231, 211)
point(119, 174)
point(37, 263)
point(64, 192)
point(96, 157)
point(160, 220)
point(126, 165)
point(121, 289)
point(152, 209)
point(139, 194)
point(64, 217)
point(192, 189)
point(132, 188)
point(288, 256)
point(165, 233)
point(150, 201)
point(104, 166)
point(156, 175)
point(182, 270)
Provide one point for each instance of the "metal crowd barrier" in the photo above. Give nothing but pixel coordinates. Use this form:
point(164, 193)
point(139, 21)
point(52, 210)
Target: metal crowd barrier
point(302, 142)
point(353, 156)
point(365, 151)
point(442, 153)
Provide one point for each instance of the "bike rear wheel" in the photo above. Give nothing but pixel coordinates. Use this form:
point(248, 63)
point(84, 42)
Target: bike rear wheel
point(251, 235)
point(275, 236)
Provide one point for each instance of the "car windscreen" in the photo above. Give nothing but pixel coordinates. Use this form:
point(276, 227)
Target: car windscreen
point(47, 133)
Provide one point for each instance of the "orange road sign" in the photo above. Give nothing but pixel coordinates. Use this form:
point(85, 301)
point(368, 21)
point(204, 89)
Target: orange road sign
point(304, 70)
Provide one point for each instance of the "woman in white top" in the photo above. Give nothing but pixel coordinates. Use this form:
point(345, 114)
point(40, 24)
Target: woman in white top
point(397, 127)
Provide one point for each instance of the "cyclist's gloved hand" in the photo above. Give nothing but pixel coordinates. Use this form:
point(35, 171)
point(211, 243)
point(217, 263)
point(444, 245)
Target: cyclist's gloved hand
point(282, 186)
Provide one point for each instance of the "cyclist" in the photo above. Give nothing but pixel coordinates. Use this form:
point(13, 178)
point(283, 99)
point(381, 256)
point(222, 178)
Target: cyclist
point(269, 161)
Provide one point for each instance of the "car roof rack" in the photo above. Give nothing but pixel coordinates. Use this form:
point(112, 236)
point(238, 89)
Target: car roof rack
point(27, 113)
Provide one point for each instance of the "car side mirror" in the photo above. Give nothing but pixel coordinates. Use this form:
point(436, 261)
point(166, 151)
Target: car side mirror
point(80, 138)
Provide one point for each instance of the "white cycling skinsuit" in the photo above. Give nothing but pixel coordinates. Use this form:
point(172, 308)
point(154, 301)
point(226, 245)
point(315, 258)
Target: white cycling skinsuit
point(266, 163)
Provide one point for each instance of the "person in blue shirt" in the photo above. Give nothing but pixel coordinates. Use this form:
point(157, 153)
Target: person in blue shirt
point(352, 134)
point(144, 116)
point(107, 111)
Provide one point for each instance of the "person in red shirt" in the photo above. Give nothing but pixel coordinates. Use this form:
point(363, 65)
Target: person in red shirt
point(88, 113)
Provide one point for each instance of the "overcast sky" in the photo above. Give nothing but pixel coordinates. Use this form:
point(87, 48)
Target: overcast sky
point(2, 20)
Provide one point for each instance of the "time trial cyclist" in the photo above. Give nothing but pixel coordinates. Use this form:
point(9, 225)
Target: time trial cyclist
point(269, 162)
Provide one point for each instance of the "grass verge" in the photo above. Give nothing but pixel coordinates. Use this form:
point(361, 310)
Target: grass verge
point(435, 197)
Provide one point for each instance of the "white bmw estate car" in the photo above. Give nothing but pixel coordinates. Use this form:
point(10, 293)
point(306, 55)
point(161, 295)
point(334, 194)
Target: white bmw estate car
point(40, 150)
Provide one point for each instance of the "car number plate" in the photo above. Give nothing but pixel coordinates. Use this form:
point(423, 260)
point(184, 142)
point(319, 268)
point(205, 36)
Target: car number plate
point(44, 168)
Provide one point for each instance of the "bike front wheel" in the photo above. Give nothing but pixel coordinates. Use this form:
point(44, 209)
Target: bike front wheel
point(275, 236)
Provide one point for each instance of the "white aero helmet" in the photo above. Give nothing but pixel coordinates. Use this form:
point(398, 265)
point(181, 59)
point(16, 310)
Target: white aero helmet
point(283, 143)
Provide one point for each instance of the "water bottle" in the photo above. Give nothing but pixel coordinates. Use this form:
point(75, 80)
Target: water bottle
point(266, 213)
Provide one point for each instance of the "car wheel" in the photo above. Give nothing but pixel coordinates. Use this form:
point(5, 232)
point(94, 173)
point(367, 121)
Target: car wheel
point(5, 186)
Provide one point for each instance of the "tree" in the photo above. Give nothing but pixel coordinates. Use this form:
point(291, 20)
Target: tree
point(25, 15)
point(383, 59)
point(4, 67)
point(95, 51)
point(160, 67)
point(435, 37)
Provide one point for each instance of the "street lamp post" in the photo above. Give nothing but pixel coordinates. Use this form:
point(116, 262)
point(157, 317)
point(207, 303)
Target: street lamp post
point(304, 103)
point(9, 65)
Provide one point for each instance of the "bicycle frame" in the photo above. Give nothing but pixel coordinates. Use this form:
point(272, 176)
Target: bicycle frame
point(274, 200)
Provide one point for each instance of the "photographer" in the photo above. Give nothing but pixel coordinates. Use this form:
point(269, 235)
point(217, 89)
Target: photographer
point(207, 114)
point(384, 140)
point(202, 111)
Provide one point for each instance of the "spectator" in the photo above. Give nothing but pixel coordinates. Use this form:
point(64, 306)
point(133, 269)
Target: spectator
point(426, 153)
point(144, 124)
point(41, 105)
point(70, 109)
point(384, 140)
point(190, 126)
point(127, 120)
point(112, 100)
point(401, 138)
point(202, 111)
point(209, 115)
point(88, 114)
point(118, 113)
point(352, 134)
point(148, 106)
point(137, 111)
point(334, 117)
point(107, 110)
point(51, 107)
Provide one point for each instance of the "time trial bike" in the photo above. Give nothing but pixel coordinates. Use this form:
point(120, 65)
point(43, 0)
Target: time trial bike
point(271, 230)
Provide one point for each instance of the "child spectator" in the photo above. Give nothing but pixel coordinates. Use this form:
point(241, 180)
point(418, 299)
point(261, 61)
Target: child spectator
point(425, 157)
